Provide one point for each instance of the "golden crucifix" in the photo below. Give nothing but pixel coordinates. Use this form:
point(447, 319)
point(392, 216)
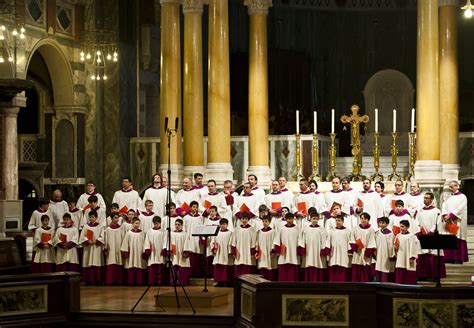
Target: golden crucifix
point(355, 120)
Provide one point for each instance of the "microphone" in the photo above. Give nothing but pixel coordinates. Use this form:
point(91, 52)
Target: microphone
point(176, 124)
point(166, 124)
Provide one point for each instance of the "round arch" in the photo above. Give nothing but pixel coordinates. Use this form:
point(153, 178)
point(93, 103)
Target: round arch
point(59, 69)
point(388, 89)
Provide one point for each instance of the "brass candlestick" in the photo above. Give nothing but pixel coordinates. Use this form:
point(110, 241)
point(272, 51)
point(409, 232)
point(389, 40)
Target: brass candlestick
point(332, 157)
point(376, 176)
point(298, 159)
point(411, 155)
point(394, 153)
point(315, 175)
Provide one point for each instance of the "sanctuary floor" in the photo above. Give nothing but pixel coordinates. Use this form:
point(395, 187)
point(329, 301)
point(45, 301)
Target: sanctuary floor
point(123, 298)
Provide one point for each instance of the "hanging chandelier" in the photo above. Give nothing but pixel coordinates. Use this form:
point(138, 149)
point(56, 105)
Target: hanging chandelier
point(99, 46)
point(468, 8)
point(12, 31)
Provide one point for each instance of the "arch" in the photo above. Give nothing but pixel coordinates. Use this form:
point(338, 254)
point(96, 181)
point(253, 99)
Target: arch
point(33, 184)
point(30, 201)
point(59, 69)
point(388, 89)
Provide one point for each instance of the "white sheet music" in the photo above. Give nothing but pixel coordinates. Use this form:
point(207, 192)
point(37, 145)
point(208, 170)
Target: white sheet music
point(204, 231)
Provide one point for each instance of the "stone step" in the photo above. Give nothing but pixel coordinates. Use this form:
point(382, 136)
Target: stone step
point(200, 281)
point(444, 283)
point(450, 273)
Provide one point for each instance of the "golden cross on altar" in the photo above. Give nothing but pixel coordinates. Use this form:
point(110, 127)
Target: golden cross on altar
point(355, 120)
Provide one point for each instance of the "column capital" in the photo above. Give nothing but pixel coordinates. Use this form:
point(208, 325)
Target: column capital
point(443, 3)
point(9, 111)
point(258, 6)
point(17, 101)
point(193, 6)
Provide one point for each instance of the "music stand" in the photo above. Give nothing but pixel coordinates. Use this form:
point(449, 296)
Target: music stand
point(438, 242)
point(205, 231)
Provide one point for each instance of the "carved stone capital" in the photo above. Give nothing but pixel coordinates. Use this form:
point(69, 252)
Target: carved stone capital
point(193, 6)
point(258, 6)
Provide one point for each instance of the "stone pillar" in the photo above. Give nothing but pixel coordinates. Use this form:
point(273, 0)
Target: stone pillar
point(258, 91)
point(448, 88)
point(170, 86)
point(10, 147)
point(218, 146)
point(192, 94)
point(428, 170)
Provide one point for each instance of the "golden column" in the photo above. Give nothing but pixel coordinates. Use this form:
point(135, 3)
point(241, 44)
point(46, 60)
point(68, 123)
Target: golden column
point(448, 88)
point(192, 94)
point(170, 87)
point(258, 91)
point(218, 146)
point(428, 169)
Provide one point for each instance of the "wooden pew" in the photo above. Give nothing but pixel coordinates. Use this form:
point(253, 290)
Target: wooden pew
point(13, 256)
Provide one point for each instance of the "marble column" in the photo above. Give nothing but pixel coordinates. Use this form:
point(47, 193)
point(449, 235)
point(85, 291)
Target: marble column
point(428, 170)
point(170, 85)
point(448, 88)
point(10, 154)
point(218, 146)
point(258, 91)
point(192, 94)
point(9, 111)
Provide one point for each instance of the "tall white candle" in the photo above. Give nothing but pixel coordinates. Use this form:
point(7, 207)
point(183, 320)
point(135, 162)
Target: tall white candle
point(297, 122)
point(376, 120)
point(394, 120)
point(315, 123)
point(333, 114)
point(412, 120)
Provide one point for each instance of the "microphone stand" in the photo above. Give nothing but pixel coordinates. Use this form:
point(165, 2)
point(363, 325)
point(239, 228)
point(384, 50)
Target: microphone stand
point(174, 277)
point(438, 262)
point(169, 262)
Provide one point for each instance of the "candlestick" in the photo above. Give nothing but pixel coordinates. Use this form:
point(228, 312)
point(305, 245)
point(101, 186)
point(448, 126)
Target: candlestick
point(298, 159)
point(315, 174)
point(376, 176)
point(394, 153)
point(412, 120)
point(333, 114)
point(394, 121)
point(411, 155)
point(376, 120)
point(297, 122)
point(332, 157)
point(315, 123)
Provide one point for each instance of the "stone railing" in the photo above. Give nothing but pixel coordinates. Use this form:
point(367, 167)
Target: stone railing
point(145, 156)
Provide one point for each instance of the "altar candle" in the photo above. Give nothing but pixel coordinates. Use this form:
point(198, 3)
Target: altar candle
point(376, 120)
point(315, 123)
point(394, 120)
point(333, 113)
point(412, 120)
point(297, 122)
